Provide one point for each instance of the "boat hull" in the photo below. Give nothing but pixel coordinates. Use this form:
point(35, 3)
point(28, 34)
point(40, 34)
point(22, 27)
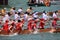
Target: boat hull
point(26, 31)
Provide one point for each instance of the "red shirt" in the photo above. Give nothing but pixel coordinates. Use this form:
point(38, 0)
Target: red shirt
point(54, 23)
point(41, 23)
point(30, 26)
point(5, 27)
point(34, 25)
point(23, 21)
point(18, 25)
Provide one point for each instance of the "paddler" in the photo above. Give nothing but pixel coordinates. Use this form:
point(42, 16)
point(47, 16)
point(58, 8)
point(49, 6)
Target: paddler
point(54, 26)
point(6, 26)
point(42, 23)
point(34, 25)
point(19, 26)
point(30, 25)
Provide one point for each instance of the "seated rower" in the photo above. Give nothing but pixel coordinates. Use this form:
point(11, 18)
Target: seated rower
point(34, 26)
point(54, 25)
point(12, 25)
point(19, 26)
point(41, 24)
point(6, 27)
point(29, 10)
point(55, 15)
point(30, 25)
point(11, 28)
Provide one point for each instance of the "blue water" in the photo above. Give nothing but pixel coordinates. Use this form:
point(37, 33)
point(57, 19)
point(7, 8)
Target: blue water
point(41, 36)
point(23, 4)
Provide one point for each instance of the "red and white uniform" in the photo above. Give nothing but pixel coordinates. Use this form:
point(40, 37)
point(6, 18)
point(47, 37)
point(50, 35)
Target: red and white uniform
point(41, 25)
point(29, 25)
point(19, 26)
point(34, 26)
point(44, 16)
point(54, 23)
point(6, 27)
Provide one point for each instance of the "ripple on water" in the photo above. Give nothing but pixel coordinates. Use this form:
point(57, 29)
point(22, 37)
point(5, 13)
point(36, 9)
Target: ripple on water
point(40, 36)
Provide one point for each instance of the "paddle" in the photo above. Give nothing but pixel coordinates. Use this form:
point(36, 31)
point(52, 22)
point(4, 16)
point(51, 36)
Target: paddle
point(35, 31)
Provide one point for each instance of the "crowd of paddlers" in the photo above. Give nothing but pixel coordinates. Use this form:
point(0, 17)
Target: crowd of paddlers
point(16, 19)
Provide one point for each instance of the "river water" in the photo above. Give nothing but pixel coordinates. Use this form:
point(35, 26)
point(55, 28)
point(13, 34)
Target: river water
point(40, 36)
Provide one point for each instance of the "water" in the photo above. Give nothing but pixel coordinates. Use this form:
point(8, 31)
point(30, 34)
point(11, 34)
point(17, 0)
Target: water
point(23, 4)
point(41, 36)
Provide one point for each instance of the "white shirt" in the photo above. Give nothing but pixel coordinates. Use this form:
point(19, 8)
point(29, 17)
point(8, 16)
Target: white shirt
point(35, 15)
point(25, 16)
point(43, 14)
point(54, 15)
point(45, 17)
point(6, 18)
point(16, 17)
point(20, 10)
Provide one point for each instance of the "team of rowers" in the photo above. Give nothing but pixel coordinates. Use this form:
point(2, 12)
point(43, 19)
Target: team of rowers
point(15, 20)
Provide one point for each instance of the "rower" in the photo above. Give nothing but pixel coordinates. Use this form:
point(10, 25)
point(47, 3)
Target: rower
point(19, 26)
point(6, 26)
point(30, 25)
point(12, 25)
point(42, 23)
point(34, 26)
point(29, 10)
point(54, 23)
point(54, 26)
